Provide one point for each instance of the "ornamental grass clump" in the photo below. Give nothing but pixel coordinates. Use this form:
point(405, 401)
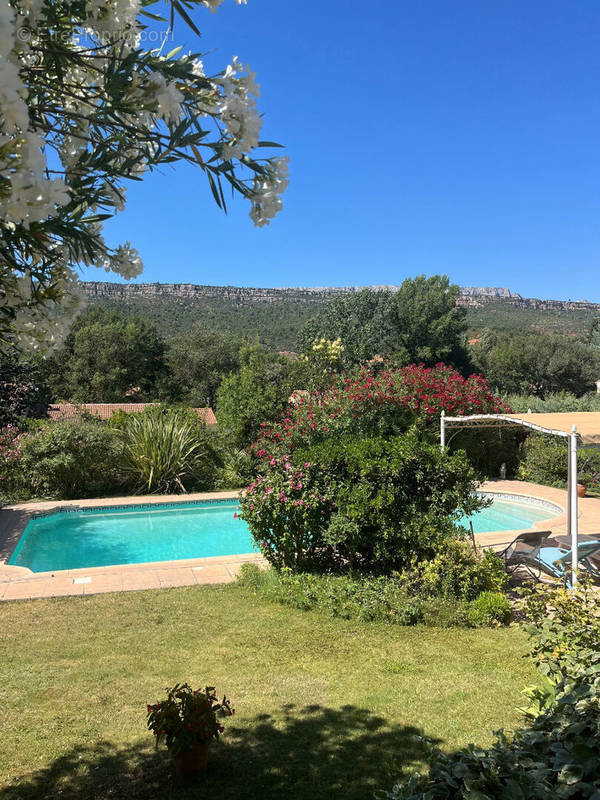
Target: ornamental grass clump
point(165, 451)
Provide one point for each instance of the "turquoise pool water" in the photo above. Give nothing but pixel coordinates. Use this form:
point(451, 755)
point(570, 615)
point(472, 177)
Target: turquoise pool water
point(103, 537)
point(508, 515)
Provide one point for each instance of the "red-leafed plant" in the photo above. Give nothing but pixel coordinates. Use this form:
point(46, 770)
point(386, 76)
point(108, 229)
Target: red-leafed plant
point(187, 717)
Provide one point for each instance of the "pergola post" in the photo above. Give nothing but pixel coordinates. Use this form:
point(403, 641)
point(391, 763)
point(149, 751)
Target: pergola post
point(573, 521)
point(443, 430)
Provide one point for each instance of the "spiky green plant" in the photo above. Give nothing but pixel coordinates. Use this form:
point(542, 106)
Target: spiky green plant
point(164, 452)
point(236, 471)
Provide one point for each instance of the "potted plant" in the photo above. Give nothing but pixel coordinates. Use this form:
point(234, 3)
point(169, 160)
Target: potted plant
point(187, 722)
point(589, 475)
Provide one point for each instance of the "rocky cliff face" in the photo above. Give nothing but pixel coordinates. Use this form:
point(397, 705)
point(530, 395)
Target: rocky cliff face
point(470, 296)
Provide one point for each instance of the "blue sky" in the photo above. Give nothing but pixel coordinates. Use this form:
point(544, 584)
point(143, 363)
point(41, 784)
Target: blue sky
point(431, 136)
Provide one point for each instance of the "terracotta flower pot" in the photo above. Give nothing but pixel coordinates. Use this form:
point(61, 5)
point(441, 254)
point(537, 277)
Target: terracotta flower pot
point(581, 490)
point(192, 762)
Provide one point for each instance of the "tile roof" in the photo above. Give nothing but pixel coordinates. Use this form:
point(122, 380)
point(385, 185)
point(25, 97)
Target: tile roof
point(59, 411)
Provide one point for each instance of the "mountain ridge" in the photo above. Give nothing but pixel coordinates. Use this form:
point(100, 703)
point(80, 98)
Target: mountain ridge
point(470, 296)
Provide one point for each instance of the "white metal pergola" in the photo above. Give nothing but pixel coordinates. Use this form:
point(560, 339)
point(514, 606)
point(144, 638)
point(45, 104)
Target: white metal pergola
point(563, 425)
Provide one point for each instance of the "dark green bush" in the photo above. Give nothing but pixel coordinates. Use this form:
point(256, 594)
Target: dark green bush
point(363, 504)
point(553, 402)
point(544, 460)
point(456, 571)
point(237, 466)
point(490, 608)
point(71, 459)
point(374, 599)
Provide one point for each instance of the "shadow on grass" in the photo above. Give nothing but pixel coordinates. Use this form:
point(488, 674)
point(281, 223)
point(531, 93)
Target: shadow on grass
point(313, 752)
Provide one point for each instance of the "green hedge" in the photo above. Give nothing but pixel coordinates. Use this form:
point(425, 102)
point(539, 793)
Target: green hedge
point(544, 460)
point(70, 459)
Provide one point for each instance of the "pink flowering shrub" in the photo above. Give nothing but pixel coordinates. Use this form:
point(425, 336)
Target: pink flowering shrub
point(11, 442)
point(287, 509)
point(372, 504)
point(354, 478)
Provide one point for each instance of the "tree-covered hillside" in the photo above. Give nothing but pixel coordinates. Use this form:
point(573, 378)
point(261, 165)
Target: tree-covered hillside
point(277, 324)
point(278, 316)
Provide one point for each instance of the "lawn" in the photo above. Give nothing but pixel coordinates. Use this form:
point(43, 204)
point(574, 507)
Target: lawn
point(324, 708)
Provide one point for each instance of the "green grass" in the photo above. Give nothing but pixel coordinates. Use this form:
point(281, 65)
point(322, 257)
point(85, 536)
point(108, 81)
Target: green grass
point(324, 707)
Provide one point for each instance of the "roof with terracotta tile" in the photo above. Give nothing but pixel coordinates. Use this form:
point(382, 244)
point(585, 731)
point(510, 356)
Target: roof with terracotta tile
point(58, 411)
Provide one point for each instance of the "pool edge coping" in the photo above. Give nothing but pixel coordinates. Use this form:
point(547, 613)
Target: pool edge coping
point(526, 499)
point(20, 583)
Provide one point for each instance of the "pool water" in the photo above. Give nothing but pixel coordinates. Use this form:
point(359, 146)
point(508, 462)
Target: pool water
point(104, 537)
point(507, 515)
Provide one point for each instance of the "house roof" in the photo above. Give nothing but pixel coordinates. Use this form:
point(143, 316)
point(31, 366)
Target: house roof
point(60, 411)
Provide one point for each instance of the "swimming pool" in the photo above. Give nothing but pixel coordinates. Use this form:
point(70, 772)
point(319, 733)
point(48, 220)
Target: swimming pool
point(123, 535)
point(102, 537)
point(509, 515)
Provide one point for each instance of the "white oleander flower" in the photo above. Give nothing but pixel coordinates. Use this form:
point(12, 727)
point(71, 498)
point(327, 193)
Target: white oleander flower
point(238, 110)
point(114, 19)
point(14, 114)
point(198, 68)
point(125, 261)
point(214, 4)
point(266, 193)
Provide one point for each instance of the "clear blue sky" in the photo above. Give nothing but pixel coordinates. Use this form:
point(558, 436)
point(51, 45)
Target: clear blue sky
point(430, 136)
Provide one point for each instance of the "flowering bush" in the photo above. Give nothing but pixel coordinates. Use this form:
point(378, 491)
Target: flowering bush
point(71, 459)
point(85, 106)
point(187, 717)
point(342, 481)
point(11, 442)
point(385, 404)
point(367, 503)
point(321, 361)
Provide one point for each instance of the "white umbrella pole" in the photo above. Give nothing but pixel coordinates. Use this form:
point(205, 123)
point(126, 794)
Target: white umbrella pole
point(573, 510)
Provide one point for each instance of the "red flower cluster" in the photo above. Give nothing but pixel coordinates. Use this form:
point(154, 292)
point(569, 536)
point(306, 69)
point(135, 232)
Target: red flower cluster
point(414, 393)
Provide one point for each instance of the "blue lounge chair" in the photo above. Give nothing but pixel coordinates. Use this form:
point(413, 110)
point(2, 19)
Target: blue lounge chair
point(556, 561)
